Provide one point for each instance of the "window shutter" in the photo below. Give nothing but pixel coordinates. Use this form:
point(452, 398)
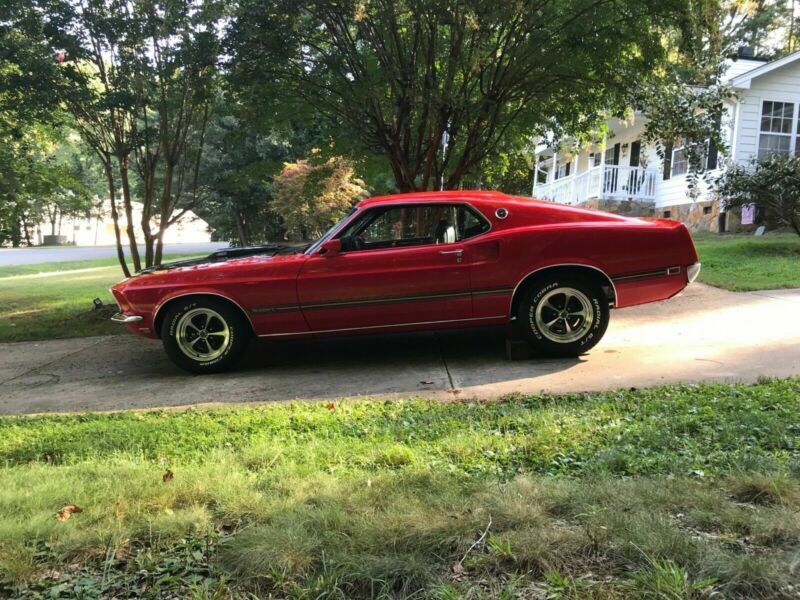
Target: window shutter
point(667, 160)
point(711, 163)
point(636, 151)
point(566, 171)
point(616, 154)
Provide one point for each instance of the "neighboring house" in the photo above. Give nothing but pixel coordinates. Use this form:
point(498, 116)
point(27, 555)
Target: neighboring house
point(98, 229)
point(621, 174)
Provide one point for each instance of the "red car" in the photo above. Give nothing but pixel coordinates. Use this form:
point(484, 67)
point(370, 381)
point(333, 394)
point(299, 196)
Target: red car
point(414, 262)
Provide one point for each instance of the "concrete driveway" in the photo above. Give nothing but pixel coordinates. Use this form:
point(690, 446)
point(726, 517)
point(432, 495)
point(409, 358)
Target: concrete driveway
point(705, 334)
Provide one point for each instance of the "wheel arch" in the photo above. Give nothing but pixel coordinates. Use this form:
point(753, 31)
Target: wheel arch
point(160, 311)
point(596, 274)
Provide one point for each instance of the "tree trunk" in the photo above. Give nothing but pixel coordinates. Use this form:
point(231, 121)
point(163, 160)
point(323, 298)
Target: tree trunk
point(165, 213)
point(147, 173)
point(25, 232)
point(148, 246)
point(114, 214)
point(240, 230)
point(16, 235)
point(159, 247)
point(126, 199)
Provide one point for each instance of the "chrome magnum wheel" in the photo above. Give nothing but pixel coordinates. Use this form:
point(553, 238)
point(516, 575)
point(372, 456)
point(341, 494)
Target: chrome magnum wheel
point(563, 316)
point(204, 334)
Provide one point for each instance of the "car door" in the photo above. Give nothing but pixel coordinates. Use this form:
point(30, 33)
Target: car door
point(399, 265)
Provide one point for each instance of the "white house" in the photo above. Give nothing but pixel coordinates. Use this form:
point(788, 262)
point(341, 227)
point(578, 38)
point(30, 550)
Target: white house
point(98, 228)
point(621, 174)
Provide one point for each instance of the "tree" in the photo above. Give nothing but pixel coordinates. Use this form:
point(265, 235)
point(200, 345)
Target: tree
point(750, 23)
point(137, 77)
point(237, 166)
point(174, 75)
point(42, 177)
point(395, 75)
point(772, 183)
point(311, 195)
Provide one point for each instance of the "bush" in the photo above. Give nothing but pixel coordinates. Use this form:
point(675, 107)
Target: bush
point(773, 183)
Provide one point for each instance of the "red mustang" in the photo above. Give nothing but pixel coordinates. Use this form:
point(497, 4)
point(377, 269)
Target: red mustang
point(417, 262)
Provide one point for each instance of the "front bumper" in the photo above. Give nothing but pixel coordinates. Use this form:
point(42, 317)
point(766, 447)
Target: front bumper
point(125, 319)
point(692, 272)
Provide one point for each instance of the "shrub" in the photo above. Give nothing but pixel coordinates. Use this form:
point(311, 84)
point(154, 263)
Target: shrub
point(773, 183)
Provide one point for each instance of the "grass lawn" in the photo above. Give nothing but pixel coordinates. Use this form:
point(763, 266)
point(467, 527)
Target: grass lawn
point(745, 262)
point(54, 300)
point(674, 492)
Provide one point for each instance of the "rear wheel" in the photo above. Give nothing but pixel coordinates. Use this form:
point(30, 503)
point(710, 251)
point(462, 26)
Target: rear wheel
point(563, 316)
point(204, 335)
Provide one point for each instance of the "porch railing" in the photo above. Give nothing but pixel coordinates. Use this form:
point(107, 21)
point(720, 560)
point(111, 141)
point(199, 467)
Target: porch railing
point(608, 182)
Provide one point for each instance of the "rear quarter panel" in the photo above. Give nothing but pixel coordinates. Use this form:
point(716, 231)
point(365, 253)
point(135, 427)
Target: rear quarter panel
point(618, 248)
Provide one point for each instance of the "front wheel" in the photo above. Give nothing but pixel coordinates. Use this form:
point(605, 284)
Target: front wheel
point(204, 335)
point(563, 316)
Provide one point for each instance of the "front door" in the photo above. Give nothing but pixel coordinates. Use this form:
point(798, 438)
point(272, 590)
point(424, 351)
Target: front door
point(400, 264)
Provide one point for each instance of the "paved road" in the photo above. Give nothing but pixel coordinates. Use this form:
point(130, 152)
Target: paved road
point(703, 335)
point(44, 254)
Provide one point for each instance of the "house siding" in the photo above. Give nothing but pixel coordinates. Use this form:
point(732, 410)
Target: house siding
point(740, 131)
point(782, 85)
point(747, 135)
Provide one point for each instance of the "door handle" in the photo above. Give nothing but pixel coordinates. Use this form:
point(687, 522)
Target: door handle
point(459, 254)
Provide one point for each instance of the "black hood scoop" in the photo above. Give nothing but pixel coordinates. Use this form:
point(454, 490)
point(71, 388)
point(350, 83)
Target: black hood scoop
point(227, 254)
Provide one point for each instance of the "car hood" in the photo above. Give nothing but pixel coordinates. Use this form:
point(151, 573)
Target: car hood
point(230, 263)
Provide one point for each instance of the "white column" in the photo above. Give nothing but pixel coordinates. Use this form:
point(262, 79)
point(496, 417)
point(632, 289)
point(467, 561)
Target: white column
point(602, 167)
point(553, 167)
point(535, 173)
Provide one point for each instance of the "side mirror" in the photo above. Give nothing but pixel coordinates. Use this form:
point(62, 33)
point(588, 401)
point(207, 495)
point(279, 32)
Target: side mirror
point(331, 247)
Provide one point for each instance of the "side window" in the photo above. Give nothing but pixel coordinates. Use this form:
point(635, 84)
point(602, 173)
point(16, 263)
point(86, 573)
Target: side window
point(413, 225)
point(402, 226)
point(470, 224)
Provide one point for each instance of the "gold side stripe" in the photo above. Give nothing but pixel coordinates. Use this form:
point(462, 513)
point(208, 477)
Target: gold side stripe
point(648, 274)
point(374, 301)
point(311, 331)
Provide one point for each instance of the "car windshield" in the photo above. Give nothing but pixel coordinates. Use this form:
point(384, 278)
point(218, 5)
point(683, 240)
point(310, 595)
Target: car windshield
point(327, 234)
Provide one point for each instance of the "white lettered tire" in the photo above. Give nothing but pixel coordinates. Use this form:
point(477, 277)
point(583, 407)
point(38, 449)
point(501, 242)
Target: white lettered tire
point(563, 316)
point(204, 334)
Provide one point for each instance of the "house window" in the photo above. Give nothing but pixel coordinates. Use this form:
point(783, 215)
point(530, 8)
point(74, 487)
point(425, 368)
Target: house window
point(667, 214)
point(776, 128)
point(680, 158)
point(706, 210)
point(610, 156)
point(680, 161)
point(562, 170)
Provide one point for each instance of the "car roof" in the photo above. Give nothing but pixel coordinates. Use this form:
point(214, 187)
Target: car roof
point(487, 201)
point(476, 196)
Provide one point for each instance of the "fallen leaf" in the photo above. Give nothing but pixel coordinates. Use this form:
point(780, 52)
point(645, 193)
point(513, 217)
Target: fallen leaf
point(168, 476)
point(66, 512)
point(426, 382)
point(458, 568)
point(330, 405)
